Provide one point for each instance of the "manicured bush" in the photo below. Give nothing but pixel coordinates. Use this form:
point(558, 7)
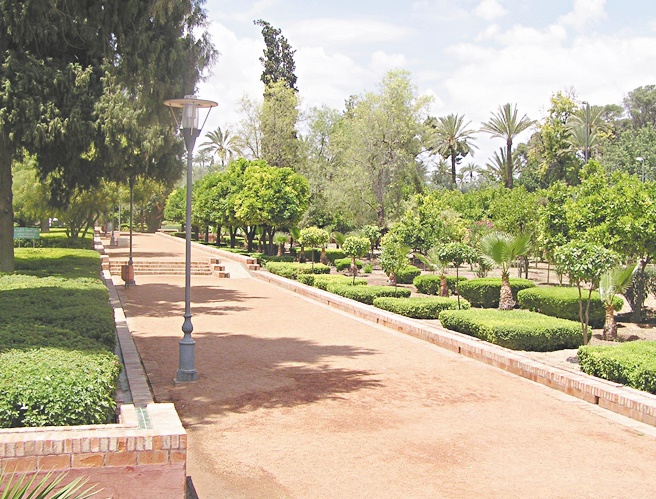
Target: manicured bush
point(57, 238)
point(429, 284)
point(345, 264)
point(57, 387)
point(407, 274)
point(632, 364)
point(563, 302)
point(322, 281)
point(515, 329)
point(264, 259)
point(485, 292)
point(291, 270)
point(419, 308)
point(367, 294)
point(367, 268)
point(334, 254)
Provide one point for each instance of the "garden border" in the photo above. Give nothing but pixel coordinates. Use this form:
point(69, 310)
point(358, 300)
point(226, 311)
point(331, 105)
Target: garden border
point(615, 397)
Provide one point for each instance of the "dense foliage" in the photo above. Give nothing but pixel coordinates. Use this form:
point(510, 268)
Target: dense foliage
point(632, 364)
point(515, 329)
point(419, 308)
point(485, 292)
point(367, 294)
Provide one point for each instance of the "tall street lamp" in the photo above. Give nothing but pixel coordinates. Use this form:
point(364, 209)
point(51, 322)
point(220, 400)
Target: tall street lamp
point(190, 106)
point(642, 162)
point(587, 131)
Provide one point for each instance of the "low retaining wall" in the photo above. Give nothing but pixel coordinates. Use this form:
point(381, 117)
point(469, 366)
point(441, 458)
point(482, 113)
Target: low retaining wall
point(243, 259)
point(629, 402)
point(144, 456)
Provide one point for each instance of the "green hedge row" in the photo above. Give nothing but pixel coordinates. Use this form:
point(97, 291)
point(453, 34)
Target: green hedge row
point(485, 292)
point(632, 364)
point(429, 284)
point(345, 264)
point(419, 308)
point(292, 270)
point(563, 302)
point(515, 329)
point(57, 387)
point(407, 274)
point(322, 281)
point(367, 294)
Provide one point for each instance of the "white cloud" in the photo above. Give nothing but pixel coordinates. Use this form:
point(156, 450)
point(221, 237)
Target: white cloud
point(439, 10)
point(255, 11)
point(490, 10)
point(584, 12)
point(382, 62)
point(338, 32)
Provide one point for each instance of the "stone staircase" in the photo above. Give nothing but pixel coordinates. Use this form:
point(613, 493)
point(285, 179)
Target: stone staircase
point(212, 266)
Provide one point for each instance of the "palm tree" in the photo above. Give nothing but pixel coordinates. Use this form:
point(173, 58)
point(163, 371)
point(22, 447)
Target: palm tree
point(503, 249)
point(497, 168)
point(576, 124)
point(281, 238)
point(611, 283)
point(223, 145)
point(469, 170)
point(505, 125)
point(435, 263)
point(451, 139)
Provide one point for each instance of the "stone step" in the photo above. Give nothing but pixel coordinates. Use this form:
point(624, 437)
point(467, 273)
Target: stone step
point(253, 266)
point(221, 274)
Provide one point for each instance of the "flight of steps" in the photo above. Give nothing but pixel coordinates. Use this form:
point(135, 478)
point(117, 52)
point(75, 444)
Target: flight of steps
point(168, 267)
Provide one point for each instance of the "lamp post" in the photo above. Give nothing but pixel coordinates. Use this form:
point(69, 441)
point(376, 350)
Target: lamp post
point(642, 162)
point(587, 131)
point(190, 106)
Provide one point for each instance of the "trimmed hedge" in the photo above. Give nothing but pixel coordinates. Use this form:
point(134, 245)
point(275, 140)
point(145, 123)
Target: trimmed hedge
point(419, 308)
point(407, 274)
point(515, 329)
point(292, 270)
point(264, 259)
point(57, 387)
point(322, 281)
point(632, 364)
point(345, 264)
point(429, 284)
point(367, 294)
point(484, 292)
point(563, 302)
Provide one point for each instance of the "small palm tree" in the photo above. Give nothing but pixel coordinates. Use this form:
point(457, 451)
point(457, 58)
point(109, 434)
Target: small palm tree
point(612, 283)
point(497, 168)
point(503, 249)
point(435, 263)
point(222, 144)
point(504, 124)
point(281, 238)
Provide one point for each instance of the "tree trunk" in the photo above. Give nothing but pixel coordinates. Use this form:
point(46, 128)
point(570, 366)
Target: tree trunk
point(584, 325)
point(509, 168)
point(453, 169)
point(610, 326)
point(6, 208)
point(506, 301)
point(354, 268)
point(324, 258)
point(444, 287)
point(638, 292)
point(45, 225)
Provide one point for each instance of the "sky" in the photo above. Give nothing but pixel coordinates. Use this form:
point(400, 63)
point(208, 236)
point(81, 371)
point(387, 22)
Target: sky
point(470, 56)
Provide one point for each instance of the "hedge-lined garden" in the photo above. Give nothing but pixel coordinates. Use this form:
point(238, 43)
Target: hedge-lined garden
point(419, 308)
point(57, 336)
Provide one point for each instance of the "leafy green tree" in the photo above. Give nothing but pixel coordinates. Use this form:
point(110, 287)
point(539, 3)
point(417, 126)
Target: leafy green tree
point(451, 139)
point(249, 130)
point(373, 234)
point(278, 57)
point(640, 105)
point(355, 247)
point(51, 80)
point(280, 145)
point(554, 229)
point(506, 125)
point(175, 208)
point(612, 283)
point(313, 237)
point(393, 257)
point(503, 249)
point(457, 254)
point(379, 143)
point(584, 263)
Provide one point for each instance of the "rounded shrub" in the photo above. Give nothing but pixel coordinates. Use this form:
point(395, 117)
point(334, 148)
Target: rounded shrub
point(429, 284)
point(407, 274)
point(419, 308)
point(322, 281)
point(345, 264)
point(367, 294)
point(563, 302)
point(334, 254)
point(515, 329)
point(292, 270)
point(485, 292)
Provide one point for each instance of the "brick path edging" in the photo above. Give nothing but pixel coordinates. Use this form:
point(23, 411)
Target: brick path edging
point(623, 400)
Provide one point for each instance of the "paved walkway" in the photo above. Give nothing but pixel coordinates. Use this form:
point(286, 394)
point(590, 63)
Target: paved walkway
point(298, 400)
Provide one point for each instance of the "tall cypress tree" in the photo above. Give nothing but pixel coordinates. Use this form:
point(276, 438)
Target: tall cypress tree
point(278, 58)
